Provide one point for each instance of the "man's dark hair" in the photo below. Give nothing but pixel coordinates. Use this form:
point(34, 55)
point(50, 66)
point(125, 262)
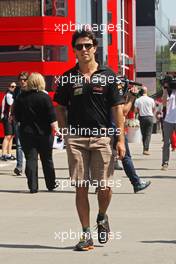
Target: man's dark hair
point(23, 75)
point(83, 34)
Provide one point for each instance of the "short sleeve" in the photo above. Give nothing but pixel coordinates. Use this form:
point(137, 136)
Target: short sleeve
point(115, 94)
point(61, 95)
point(9, 98)
point(50, 110)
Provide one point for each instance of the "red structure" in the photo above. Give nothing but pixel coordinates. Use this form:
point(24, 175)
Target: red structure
point(40, 31)
point(37, 43)
point(125, 19)
point(113, 45)
point(129, 40)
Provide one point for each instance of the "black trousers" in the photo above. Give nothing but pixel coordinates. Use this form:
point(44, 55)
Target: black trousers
point(32, 146)
point(146, 124)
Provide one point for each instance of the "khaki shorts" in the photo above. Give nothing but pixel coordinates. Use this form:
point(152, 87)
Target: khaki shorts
point(90, 160)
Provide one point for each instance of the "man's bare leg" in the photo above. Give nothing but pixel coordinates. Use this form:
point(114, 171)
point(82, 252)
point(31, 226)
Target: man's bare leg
point(9, 147)
point(104, 198)
point(82, 205)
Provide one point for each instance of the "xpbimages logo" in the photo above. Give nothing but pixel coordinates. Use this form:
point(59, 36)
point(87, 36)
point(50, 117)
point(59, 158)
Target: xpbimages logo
point(81, 131)
point(64, 236)
point(64, 184)
point(72, 27)
point(79, 79)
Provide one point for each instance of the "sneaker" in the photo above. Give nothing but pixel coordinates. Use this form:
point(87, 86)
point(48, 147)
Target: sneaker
point(103, 230)
point(164, 166)
point(33, 191)
point(145, 152)
point(17, 171)
point(3, 158)
point(11, 157)
point(141, 186)
point(53, 188)
point(85, 244)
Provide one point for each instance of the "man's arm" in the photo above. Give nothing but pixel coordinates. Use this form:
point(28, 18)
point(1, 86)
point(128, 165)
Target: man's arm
point(127, 107)
point(165, 97)
point(131, 97)
point(118, 118)
point(136, 109)
point(154, 107)
point(55, 128)
point(61, 97)
point(61, 116)
point(61, 121)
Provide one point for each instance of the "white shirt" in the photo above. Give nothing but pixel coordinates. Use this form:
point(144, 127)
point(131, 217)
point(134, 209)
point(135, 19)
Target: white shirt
point(171, 108)
point(9, 99)
point(145, 104)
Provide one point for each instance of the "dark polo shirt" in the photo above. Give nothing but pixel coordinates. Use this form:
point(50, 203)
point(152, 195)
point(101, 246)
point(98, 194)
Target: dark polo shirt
point(89, 102)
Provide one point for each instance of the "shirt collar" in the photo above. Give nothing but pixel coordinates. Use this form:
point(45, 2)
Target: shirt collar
point(101, 67)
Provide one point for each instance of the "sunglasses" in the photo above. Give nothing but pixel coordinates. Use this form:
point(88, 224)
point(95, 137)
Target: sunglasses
point(87, 46)
point(23, 79)
point(13, 86)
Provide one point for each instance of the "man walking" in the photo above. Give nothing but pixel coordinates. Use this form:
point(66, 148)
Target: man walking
point(89, 104)
point(145, 106)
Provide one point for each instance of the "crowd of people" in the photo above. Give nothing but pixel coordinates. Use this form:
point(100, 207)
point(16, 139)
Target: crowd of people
point(83, 106)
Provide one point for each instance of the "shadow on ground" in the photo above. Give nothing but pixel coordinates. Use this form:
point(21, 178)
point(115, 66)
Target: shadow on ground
point(19, 246)
point(27, 192)
point(160, 242)
point(159, 177)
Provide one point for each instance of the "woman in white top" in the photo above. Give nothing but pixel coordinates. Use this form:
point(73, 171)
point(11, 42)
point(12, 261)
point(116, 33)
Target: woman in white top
point(8, 124)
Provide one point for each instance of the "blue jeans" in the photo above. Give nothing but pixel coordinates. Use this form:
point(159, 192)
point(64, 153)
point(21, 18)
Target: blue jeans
point(19, 152)
point(129, 166)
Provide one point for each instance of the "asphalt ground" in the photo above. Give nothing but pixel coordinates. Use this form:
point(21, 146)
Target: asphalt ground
point(43, 228)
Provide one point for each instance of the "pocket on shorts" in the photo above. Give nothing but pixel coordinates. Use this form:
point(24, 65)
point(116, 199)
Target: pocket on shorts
point(104, 141)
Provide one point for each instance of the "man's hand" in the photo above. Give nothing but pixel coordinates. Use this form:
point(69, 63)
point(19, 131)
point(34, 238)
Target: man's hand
point(133, 90)
point(120, 147)
point(59, 135)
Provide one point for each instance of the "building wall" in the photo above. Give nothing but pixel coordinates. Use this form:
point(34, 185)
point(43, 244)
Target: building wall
point(83, 11)
point(145, 44)
point(145, 57)
point(152, 43)
point(149, 82)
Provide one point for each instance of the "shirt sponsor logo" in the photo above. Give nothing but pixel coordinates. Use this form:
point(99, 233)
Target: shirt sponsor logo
point(78, 91)
point(97, 90)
